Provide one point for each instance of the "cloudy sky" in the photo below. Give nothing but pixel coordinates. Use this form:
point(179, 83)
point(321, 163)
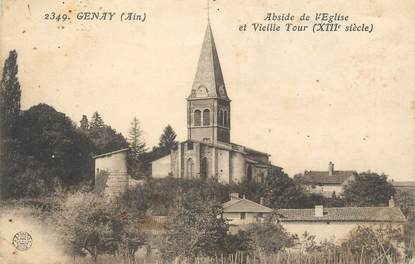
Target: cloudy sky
point(305, 98)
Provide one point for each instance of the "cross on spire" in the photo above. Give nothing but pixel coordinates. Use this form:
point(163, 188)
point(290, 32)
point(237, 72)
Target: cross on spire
point(208, 10)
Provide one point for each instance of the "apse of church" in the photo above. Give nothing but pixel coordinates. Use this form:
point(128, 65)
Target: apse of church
point(208, 152)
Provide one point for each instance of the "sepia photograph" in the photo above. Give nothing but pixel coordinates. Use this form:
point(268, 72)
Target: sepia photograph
point(207, 132)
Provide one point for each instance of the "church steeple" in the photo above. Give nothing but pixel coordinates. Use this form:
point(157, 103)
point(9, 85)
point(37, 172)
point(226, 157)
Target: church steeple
point(208, 105)
point(208, 80)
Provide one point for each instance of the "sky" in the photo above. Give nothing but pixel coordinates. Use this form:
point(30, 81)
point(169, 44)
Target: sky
point(306, 98)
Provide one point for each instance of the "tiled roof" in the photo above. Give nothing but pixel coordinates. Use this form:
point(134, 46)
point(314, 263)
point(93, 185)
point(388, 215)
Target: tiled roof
point(353, 214)
point(237, 205)
point(403, 183)
point(323, 177)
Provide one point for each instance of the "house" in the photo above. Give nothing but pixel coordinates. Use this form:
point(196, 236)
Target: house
point(111, 173)
point(404, 186)
point(324, 223)
point(336, 223)
point(328, 182)
point(241, 211)
point(208, 152)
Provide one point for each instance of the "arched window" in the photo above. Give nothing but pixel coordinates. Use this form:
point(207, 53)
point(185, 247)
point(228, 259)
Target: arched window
point(204, 168)
point(190, 169)
point(220, 118)
point(225, 118)
point(249, 173)
point(260, 177)
point(197, 118)
point(206, 117)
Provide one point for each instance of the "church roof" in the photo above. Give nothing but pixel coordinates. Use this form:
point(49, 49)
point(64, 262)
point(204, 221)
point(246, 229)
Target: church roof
point(208, 80)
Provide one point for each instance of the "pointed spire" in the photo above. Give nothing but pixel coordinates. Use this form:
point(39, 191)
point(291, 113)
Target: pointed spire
point(209, 81)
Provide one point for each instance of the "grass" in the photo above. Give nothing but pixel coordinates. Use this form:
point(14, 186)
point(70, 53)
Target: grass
point(259, 258)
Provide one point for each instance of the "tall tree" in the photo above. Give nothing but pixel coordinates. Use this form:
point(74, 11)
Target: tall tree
point(282, 192)
point(84, 123)
point(96, 121)
point(135, 138)
point(368, 189)
point(104, 137)
point(193, 231)
point(135, 160)
point(168, 138)
point(9, 94)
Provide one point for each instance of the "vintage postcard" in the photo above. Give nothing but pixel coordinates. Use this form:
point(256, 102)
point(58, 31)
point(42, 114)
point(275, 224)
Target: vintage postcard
point(212, 131)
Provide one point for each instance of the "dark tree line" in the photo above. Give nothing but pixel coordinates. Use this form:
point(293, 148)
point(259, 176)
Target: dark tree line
point(43, 151)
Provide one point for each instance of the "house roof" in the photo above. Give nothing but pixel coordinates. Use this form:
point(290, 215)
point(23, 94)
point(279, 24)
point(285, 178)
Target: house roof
point(110, 153)
point(237, 205)
point(344, 214)
point(403, 184)
point(323, 177)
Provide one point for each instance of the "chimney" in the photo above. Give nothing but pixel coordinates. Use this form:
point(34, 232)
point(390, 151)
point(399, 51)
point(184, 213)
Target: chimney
point(234, 196)
point(318, 211)
point(261, 201)
point(331, 168)
point(391, 202)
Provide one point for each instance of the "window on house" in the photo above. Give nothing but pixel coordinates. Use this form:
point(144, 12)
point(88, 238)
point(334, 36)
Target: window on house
point(243, 216)
point(197, 118)
point(206, 117)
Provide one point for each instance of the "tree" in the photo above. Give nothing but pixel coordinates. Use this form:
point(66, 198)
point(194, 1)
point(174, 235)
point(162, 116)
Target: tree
point(135, 160)
point(406, 201)
point(378, 243)
point(168, 139)
point(368, 189)
point(84, 123)
point(252, 190)
point(96, 122)
point(135, 139)
point(282, 192)
point(9, 94)
point(53, 141)
point(105, 138)
point(269, 237)
point(86, 221)
point(409, 235)
point(196, 230)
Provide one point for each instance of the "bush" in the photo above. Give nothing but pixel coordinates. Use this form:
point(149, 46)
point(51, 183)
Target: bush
point(195, 231)
point(90, 223)
point(374, 243)
point(160, 196)
point(269, 237)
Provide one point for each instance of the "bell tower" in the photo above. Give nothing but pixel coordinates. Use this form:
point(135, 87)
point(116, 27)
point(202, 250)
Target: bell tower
point(208, 105)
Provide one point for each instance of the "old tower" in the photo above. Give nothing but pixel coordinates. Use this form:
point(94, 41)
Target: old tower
point(208, 105)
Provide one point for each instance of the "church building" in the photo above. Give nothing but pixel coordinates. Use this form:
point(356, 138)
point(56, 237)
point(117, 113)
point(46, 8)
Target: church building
point(208, 152)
